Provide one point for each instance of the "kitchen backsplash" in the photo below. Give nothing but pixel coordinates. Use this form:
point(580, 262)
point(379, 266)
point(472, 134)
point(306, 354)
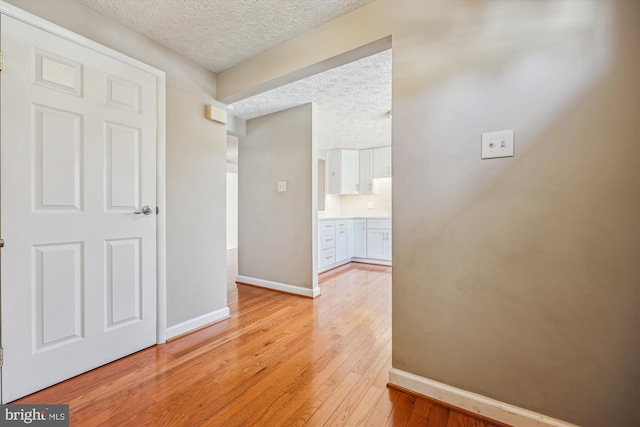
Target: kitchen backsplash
point(358, 205)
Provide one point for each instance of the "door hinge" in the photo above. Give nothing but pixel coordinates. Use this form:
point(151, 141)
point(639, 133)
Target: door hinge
point(157, 210)
point(1, 357)
point(0, 61)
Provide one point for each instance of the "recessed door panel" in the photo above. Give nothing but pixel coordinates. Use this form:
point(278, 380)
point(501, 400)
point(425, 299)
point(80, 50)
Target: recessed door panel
point(122, 93)
point(123, 167)
point(58, 276)
point(59, 73)
point(57, 159)
point(123, 281)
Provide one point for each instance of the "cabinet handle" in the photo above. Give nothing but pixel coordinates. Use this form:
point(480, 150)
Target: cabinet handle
point(342, 232)
point(327, 257)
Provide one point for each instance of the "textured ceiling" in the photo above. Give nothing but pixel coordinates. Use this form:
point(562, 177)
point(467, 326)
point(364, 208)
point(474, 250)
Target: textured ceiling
point(218, 34)
point(353, 101)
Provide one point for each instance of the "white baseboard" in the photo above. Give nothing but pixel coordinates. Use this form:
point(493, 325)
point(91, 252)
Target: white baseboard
point(372, 261)
point(472, 402)
point(282, 287)
point(360, 260)
point(332, 266)
point(197, 322)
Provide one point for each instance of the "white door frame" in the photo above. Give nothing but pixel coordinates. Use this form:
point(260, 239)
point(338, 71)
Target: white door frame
point(161, 248)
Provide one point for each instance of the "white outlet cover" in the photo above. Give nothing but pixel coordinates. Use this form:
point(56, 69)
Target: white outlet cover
point(282, 186)
point(497, 144)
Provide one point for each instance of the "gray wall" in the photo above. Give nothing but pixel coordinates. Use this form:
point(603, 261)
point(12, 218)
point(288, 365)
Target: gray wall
point(196, 156)
point(276, 230)
point(514, 278)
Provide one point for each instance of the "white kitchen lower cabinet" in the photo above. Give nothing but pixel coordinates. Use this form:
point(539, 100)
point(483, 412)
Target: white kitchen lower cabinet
point(334, 243)
point(350, 239)
point(379, 239)
point(360, 239)
point(342, 240)
point(379, 244)
point(327, 257)
point(327, 247)
point(342, 245)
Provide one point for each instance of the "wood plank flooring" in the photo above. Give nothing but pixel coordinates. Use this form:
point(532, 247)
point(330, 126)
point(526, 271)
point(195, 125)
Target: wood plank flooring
point(280, 360)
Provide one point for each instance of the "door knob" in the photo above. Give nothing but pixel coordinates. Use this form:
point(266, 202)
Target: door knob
point(146, 210)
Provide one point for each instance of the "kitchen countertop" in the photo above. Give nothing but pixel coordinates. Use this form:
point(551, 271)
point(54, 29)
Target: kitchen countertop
point(353, 217)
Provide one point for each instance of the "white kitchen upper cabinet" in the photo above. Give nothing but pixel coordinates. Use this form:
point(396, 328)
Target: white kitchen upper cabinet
point(368, 185)
point(343, 171)
point(360, 238)
point(382, 162)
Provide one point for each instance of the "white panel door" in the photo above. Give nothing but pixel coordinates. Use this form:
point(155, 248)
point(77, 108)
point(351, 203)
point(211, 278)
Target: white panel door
point(78, 143)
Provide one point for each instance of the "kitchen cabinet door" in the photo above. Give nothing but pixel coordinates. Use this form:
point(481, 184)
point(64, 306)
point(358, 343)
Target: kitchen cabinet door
point(368, 185)
point(360, 238)
point(341, 245)
point(343, 167)
point(382, 162)
point(376, 240)
point(379, 239)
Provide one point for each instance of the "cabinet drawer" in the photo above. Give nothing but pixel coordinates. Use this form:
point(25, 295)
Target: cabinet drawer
point(327, 257)
point(328, 240)
point(341, 224)
point(379, 224)
point(327, 226)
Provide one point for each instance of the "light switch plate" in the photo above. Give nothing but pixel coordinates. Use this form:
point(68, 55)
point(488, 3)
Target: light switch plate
point(497, 144)
point(282, 186)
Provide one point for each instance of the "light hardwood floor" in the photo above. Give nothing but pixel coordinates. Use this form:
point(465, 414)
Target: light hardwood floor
point(280, 360)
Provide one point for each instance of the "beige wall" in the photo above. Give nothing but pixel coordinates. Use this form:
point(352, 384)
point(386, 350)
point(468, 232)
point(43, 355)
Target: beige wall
point(514, 278)
point(276, 231)
point(195, 176)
